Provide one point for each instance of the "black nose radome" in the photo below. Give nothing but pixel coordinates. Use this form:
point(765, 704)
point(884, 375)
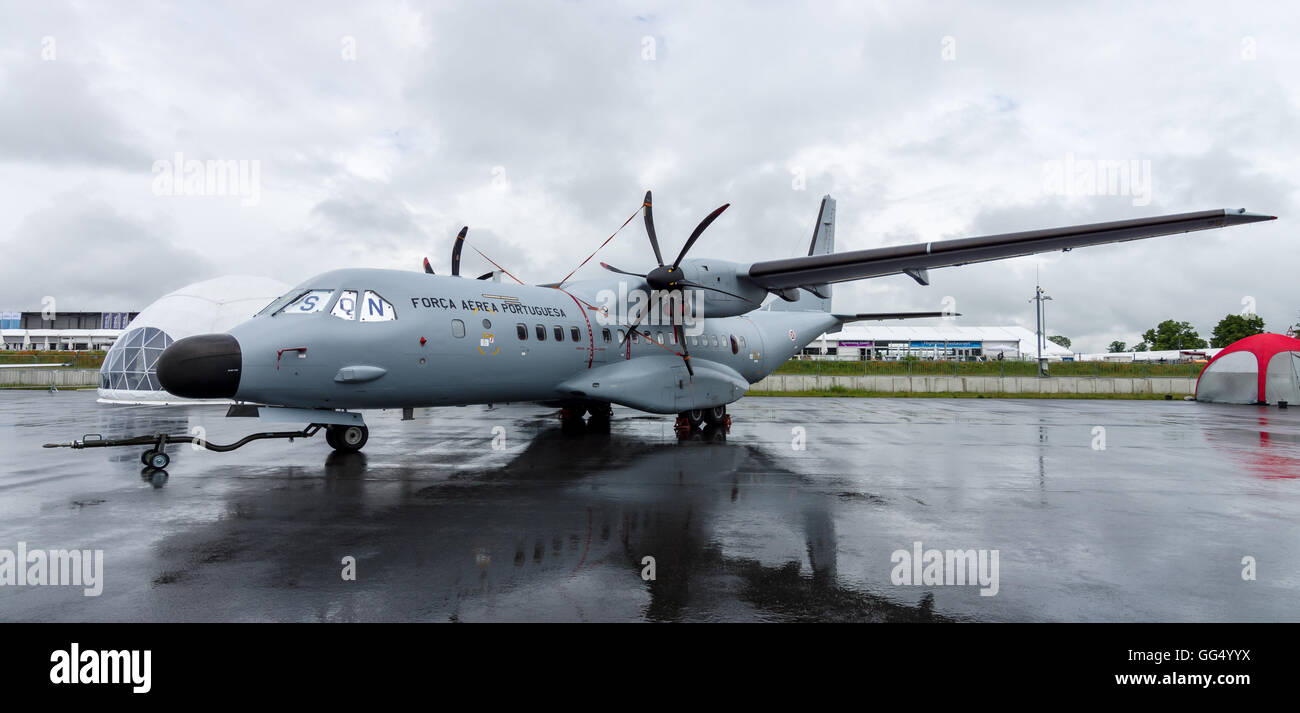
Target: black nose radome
point(206, 366)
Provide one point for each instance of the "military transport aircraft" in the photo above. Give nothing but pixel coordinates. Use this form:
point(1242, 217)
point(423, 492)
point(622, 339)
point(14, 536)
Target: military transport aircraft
point(365, 338)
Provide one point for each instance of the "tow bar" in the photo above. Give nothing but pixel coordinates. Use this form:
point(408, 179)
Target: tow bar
point(156, 456)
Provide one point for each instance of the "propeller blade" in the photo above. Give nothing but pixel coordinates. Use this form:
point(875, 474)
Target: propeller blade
point(698, 286)
point(486, 275)
point(699, 229)
point(650, 229)
point(455, 251)
point(686, 353)
point(611, 268)
point(427, 267)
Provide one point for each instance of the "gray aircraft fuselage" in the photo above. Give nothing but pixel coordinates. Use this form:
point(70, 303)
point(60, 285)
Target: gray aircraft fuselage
point(443, 340)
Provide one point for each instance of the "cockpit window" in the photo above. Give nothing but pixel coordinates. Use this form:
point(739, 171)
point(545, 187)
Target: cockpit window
point(309, 302)
point(374, 308)
point(346, 307)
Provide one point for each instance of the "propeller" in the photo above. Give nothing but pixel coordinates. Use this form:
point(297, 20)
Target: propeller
point(670, 278)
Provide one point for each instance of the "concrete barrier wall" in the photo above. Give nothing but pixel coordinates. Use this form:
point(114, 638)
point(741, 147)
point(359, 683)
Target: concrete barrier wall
point(1177, 386)
point(59, 377)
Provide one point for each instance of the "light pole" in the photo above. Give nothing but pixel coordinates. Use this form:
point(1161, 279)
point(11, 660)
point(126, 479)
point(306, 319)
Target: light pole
point(1040, 297)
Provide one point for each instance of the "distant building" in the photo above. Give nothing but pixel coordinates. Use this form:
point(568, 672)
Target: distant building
point(865, 341)
point(67, 331)
point(1170, 355)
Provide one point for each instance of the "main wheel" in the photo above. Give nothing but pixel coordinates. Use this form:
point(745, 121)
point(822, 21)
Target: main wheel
point(695, 417)
point(158, 459)
point(715, 415)
point(348, 439)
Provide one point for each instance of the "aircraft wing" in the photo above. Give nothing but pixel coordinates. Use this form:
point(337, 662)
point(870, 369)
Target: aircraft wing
point(881, 316)
point(915, 259)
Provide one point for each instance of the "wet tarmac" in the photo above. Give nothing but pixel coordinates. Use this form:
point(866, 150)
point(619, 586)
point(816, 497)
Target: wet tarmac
point(1097, 511)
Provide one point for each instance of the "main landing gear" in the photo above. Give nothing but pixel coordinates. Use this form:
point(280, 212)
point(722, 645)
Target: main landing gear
point(714, 419)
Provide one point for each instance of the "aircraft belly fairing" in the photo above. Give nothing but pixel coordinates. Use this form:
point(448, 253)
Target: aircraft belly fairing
point(657, 384)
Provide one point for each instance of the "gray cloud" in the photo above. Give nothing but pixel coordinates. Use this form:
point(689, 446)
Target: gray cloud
point(91, 257)
point(380, 160)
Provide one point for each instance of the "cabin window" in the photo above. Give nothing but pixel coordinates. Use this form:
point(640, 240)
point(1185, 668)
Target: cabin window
point(559, 333)
point(659, 337)
point(346, 307)
point(636, 336)
point(541, 333)
point(604, 335)
point(735, 345)
point(573, 332)
point(622, 336)
point(742, 343)
point(457, 328)
point(309, 302)
point(521, 329)
point(695, 341)
point(672, 337)
point(714, 339)
point(374, 308)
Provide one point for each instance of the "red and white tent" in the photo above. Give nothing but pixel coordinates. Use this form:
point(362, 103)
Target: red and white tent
point(1261, 369)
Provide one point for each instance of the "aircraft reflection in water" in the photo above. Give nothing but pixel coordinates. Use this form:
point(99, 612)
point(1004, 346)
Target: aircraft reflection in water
point(561, 532)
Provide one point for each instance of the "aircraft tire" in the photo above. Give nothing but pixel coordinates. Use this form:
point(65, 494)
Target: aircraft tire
point(347, 439)
point(696, 417)
point(716, 415)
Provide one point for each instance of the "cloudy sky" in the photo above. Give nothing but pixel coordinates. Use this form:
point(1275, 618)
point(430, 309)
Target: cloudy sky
point(378, 129)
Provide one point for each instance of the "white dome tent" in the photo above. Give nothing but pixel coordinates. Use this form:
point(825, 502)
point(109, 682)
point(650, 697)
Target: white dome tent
point(127, 375)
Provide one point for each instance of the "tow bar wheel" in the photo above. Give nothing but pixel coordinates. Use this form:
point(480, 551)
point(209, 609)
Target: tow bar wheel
point(155, 459)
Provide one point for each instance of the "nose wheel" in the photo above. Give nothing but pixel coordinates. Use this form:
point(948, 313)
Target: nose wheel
point(347, 439)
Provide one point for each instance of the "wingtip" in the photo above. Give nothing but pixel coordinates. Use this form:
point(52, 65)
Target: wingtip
point(1247, 216)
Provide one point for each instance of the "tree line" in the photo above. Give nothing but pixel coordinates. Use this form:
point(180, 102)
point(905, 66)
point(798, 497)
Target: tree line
point(1172, 335)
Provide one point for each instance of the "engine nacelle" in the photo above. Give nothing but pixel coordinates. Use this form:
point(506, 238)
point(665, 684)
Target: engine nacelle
point(724, 275)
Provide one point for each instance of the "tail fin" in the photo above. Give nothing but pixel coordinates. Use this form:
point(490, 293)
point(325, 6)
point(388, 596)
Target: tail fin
point(814, 297)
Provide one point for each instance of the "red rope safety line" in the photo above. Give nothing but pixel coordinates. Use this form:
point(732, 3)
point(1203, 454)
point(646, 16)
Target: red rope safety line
point(611, 237)
point(494, 264)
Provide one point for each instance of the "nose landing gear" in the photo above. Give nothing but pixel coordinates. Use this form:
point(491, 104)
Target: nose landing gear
point(347, 439)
